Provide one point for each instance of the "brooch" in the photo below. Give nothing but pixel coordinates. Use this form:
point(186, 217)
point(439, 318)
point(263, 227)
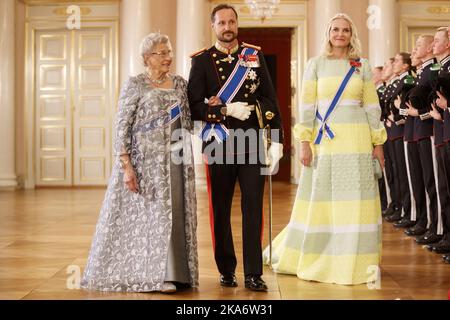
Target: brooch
point(356, 64)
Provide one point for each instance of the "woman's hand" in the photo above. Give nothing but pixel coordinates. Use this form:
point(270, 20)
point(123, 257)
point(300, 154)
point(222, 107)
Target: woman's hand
point(378, 154)
point(305, 154)
point(129, 178)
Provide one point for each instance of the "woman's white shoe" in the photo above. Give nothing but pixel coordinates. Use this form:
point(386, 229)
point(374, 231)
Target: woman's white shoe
point(168, 287)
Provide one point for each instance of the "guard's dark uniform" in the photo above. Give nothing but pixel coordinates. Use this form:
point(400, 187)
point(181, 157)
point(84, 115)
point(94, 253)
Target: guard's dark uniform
point(421, 160)
point(389, 153)
point(443, 159)
point(424, 172)
point(395, 135)
point(445, 69)
point(210, 70)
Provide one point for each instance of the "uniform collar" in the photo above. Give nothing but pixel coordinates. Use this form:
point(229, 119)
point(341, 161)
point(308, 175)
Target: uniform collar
point(404, 74)
point(419, 70)
point(445, 60)
point(427, 63)
point(226, 50)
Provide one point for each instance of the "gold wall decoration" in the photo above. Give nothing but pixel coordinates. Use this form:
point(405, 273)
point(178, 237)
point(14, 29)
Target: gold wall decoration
point(439, 10)
point(84, 11)
point(244, 10)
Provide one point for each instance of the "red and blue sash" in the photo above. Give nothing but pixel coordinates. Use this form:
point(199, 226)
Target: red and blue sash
point(226, 95)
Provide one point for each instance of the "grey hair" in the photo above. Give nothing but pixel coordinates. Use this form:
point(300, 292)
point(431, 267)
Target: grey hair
point(149, 43)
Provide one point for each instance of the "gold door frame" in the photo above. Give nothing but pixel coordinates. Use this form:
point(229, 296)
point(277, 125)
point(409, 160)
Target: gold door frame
point(55, 19)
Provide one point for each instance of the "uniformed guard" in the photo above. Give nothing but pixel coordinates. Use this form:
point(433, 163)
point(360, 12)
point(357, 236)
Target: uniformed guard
point(421, 160)
point(391, 182)
point(441, 123)
point(229, 86)
point(401, 67)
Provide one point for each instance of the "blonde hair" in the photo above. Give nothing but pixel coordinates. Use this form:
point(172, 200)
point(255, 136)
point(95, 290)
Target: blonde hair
point(442, 29)
point(354, 48)
point(428, 38)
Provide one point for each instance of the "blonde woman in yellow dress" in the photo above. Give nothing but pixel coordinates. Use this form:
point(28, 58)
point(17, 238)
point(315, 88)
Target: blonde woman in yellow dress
point(334, 234)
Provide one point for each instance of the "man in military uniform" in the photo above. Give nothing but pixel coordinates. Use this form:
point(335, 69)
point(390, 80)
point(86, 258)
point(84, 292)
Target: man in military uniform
point(229, 86)
point(401, 67)
point(391, 182)
point(411, 151)
point(422, 168)
point(441, 49)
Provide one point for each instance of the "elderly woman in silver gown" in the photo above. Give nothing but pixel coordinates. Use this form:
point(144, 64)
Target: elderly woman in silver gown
point(145, 239)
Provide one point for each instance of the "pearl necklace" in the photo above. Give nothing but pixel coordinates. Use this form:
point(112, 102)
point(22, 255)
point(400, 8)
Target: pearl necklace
point(158, 81)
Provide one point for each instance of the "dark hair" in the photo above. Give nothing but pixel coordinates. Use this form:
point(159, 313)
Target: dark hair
point(392, 59)
point(380, 68)
point(221, 7)
point(406, 57)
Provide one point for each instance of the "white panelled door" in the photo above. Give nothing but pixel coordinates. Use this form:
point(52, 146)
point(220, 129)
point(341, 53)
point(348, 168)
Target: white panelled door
point(74, 94)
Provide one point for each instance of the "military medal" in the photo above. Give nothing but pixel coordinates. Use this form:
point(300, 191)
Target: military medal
point(228, 51)
point(228, 59)
point(249, 60)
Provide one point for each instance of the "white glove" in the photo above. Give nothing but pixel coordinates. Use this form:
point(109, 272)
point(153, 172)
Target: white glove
point(275, 153)
point(238, 110)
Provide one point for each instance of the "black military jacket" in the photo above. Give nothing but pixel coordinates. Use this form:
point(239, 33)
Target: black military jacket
point(445, 69)
point(210, 70)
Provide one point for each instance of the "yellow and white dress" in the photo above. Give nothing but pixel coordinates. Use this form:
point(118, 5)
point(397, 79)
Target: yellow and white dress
point(334, 234)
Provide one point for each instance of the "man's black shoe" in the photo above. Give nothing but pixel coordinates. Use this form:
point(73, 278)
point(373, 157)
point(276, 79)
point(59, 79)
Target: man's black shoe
point(441, 247)
point(255, 283)
point(394, 217)
point(228, 280)
point(428, 238)
point(404, 223)
point(415, 231)
point(446, 258)
point(389, 211)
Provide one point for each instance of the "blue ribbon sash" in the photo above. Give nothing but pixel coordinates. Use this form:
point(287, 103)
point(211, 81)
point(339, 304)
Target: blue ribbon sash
point(163, 118)
point(226, 94)
point(324, 128)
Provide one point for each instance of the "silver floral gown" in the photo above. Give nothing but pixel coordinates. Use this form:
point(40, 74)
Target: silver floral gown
point(143, 239)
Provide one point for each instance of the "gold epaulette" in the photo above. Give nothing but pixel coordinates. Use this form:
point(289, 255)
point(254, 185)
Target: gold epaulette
point(198, 52)
point(247, 45)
